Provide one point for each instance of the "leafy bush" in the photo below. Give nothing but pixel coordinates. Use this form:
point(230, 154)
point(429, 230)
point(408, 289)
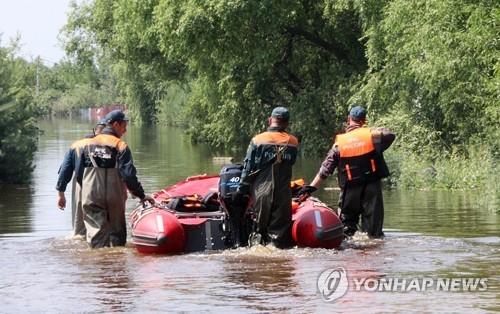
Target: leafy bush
point(476, 170)
point(18, 131)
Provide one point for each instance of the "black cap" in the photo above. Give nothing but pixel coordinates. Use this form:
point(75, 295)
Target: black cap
point(281, 113)
point(115, 115)
point(101, 122)
point(357, 113)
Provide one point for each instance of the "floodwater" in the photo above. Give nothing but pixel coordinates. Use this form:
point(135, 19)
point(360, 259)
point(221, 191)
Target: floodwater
point(429, 236)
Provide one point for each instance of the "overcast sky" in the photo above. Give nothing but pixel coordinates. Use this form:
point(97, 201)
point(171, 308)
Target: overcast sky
point(38, 22)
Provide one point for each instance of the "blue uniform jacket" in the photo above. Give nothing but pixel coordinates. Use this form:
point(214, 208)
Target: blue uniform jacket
point(74, 161)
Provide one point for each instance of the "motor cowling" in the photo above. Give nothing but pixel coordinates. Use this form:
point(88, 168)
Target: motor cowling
point(239, 222)
point(230, 176)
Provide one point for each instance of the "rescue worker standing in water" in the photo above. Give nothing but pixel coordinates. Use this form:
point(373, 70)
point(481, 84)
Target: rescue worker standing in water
point(266, 176)
point(68, 167)
point(108, 171)
point(357, 155)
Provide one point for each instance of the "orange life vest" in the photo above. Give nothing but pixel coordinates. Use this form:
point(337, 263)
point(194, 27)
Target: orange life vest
point(359, 161)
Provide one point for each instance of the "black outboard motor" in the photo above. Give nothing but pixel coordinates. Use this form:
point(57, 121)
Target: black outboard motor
point(230, 176)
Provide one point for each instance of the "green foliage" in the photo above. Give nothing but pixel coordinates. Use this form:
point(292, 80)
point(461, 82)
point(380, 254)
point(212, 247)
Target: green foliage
point(121, 35)
point(71, 85)
point(171, 107)
point(290, 55)
point(18, 131)
point(429, 70)
point(80, 96)
point(437, 63)
point(414, 138)
point(476, 170)
point(240, 58)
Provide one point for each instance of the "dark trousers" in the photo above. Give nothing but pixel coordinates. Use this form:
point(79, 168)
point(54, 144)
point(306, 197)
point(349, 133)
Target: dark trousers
point(272, 204)
point(363, 200)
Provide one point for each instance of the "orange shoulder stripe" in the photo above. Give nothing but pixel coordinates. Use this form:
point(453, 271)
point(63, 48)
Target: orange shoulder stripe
point(79, 143)
point(107, 140)
point(275, 138)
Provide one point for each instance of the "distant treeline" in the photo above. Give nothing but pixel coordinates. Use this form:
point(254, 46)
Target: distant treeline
point(30, 89)
point(428, 69)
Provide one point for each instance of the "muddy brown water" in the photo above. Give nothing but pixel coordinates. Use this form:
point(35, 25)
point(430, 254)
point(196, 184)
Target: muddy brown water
point(433, 235)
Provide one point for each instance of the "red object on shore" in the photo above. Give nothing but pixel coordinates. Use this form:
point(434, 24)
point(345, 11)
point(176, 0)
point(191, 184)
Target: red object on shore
point(188, 217)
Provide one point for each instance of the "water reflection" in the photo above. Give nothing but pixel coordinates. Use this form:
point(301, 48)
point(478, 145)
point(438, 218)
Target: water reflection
point(442, 213)
point(165, 155)
point(102, 277)
point(15, 206)
point(261, 279)
point(108, 272)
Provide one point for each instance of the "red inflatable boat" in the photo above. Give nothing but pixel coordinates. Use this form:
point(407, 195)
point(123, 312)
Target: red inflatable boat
point(191, 215)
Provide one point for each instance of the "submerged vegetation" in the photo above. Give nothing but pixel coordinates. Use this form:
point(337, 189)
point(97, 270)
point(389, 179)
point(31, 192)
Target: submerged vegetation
point(430, 71)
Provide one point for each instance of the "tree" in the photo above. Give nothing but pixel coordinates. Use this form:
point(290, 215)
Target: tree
point(237, 59)
point(436, 63)
point(18, 131)
point(429, 69)
point(245, 57)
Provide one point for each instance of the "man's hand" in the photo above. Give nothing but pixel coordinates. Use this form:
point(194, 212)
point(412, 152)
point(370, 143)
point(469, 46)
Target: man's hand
point(149, 199)
point(305, 192)
point(61, 200)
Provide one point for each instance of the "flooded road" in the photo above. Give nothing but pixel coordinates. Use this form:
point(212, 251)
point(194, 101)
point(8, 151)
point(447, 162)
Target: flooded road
point(429, 235)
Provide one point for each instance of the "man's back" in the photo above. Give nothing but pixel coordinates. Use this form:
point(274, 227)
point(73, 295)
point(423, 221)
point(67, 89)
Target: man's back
point(266, 178)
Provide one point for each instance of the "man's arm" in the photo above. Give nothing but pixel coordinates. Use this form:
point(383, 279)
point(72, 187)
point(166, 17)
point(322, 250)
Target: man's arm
point(66, 171)
point(327, 167)
point(382, 138)
point(129, 173)
point(65, 174)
